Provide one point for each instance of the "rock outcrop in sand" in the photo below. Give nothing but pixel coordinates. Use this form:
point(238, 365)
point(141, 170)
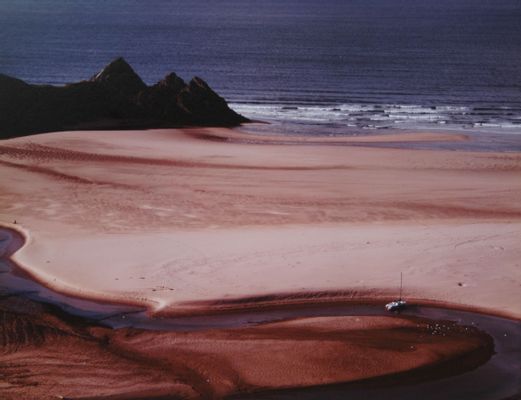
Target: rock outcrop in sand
point(116, 97)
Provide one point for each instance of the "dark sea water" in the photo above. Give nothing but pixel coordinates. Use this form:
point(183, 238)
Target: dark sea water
point(447, 64)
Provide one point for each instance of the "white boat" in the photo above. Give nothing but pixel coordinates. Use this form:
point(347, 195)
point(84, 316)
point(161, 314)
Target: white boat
point(395, 305)
point(399, 304)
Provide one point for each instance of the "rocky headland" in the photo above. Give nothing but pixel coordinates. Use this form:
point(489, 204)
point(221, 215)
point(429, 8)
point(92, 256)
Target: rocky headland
point(115, 98)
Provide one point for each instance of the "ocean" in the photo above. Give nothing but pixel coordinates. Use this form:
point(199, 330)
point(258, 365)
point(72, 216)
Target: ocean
point(361, 64)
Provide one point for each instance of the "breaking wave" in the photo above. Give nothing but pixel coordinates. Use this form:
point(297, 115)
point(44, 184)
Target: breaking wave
point(382, 116)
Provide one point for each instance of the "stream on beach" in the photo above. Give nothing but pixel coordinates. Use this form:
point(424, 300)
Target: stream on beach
point(497, 379)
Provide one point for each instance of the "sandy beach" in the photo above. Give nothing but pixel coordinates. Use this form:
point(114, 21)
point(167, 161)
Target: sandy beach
point(276, 200)
point(204, 220)
point(171, 219)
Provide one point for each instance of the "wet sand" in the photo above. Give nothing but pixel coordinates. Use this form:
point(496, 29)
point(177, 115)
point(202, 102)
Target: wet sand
point(42, 345)
point(256, 350)
point(199, 221)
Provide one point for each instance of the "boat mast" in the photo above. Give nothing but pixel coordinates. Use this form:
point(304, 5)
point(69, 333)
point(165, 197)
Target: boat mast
point(401, 284)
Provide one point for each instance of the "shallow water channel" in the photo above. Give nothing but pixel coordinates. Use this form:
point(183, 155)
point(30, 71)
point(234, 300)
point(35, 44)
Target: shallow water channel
point(497, 379)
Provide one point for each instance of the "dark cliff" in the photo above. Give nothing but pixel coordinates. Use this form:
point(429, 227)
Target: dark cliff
point(115, 98)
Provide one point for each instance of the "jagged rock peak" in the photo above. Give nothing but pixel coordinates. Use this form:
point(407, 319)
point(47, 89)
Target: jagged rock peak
point(172, 81)
point(115, 98)
point(196, 81)
point(119, 71)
